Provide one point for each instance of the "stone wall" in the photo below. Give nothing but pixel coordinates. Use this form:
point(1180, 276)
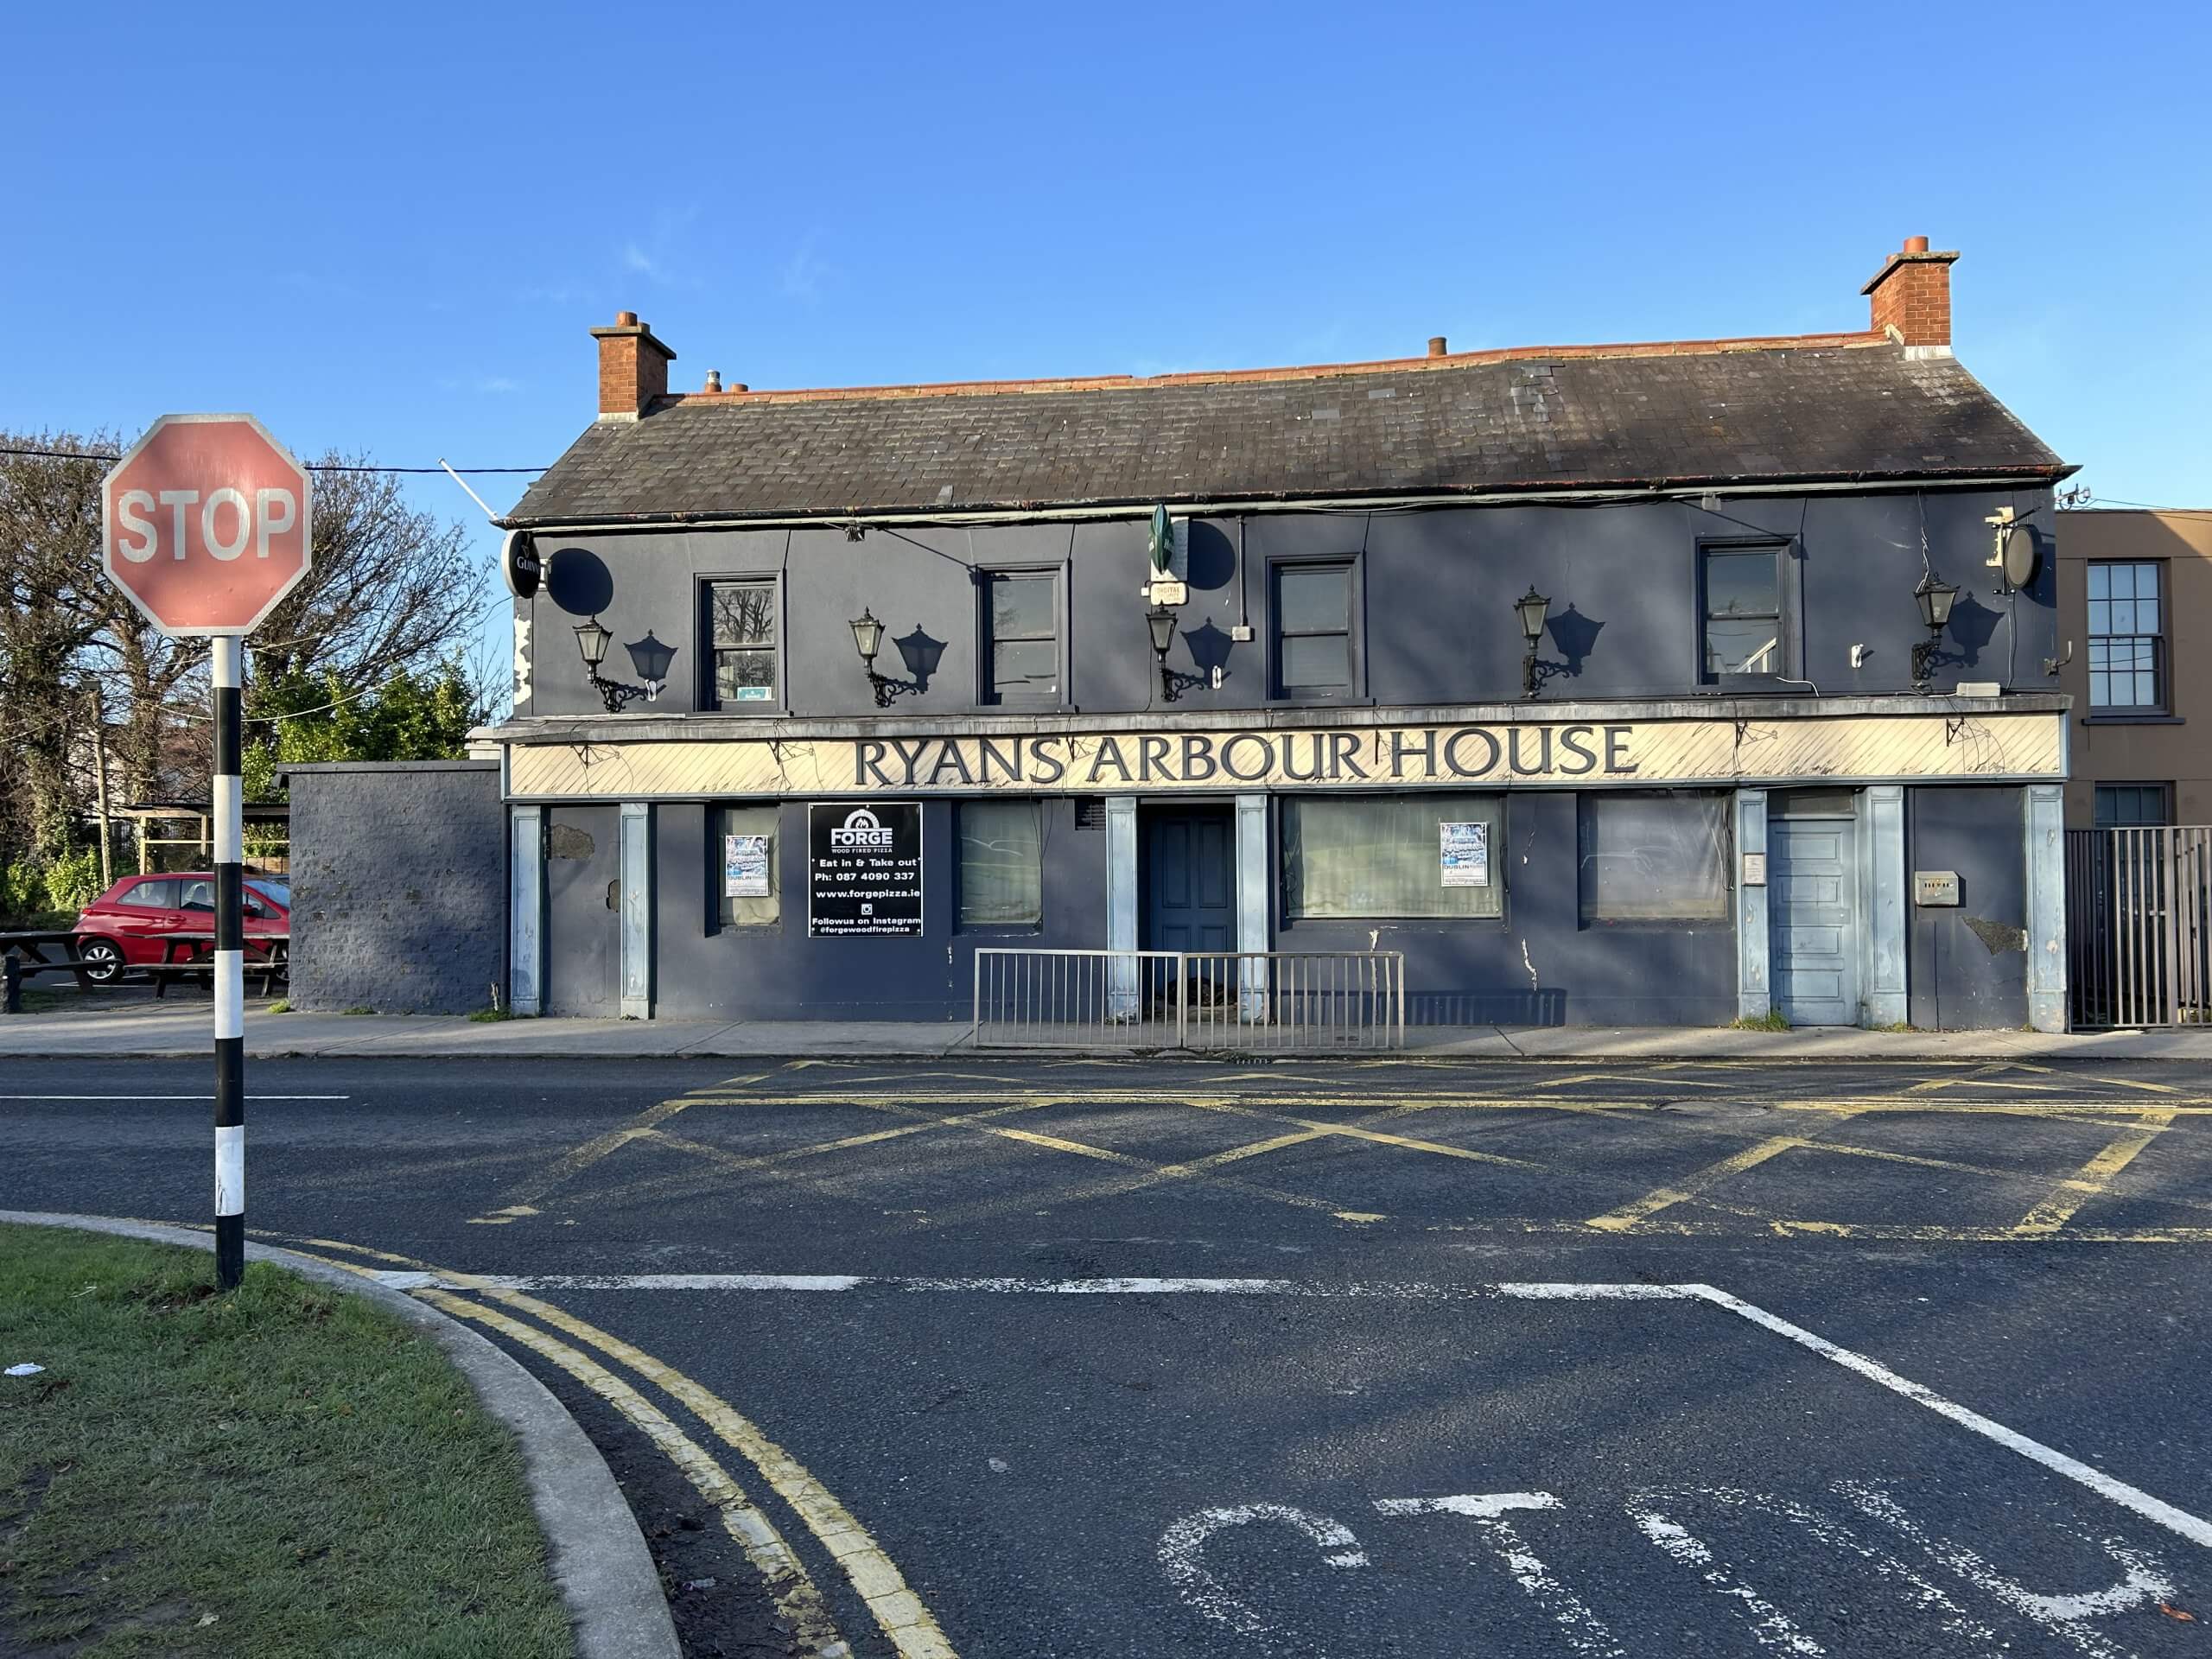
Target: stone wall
point(399, 899)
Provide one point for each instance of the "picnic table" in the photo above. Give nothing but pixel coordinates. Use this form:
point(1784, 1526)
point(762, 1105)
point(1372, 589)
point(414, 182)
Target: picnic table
point(46, 951)
point(197, 951)
point(53, 951)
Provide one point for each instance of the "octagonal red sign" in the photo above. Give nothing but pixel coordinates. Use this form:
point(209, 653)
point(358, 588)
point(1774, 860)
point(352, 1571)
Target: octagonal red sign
point(206, 523)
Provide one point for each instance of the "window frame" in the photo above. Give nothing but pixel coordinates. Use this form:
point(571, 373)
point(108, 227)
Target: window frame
point(709, 700)
point(1787, 599)
point(1354, 567)
point(1587, 803)
point(151, 884)
point(987, 695)
point(960, 921)
point(2161, 677)
point(1288, 807)
point(2166, 794)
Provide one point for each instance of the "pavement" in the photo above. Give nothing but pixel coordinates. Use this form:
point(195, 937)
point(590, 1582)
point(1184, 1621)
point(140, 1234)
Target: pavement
point(1068, 1356)
point(173, 1027)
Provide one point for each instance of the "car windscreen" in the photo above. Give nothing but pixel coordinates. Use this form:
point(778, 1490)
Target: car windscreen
point(279, 890)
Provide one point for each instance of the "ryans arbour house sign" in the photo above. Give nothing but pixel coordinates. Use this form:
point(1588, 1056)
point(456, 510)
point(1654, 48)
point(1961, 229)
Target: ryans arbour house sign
point(1576, 754)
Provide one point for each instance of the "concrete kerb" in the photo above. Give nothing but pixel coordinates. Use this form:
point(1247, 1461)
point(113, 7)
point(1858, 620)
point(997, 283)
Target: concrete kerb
point(599, 1561)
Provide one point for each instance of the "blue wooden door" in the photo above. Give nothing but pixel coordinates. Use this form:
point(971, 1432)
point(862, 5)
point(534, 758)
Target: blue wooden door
point(1813, 900)
point(1189, 880)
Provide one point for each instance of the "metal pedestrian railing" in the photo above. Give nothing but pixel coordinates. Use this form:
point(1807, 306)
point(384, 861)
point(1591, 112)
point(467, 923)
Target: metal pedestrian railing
point(1242, 1001)
point(2138, 925)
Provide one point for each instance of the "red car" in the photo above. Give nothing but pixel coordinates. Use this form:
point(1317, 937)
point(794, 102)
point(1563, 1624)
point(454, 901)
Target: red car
point(132, 923)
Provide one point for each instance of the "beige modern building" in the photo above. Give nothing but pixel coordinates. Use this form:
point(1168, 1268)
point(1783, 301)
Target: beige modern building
point(2135, 607)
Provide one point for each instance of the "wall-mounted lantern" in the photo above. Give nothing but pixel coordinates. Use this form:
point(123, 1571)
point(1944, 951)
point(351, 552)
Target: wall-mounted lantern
point(1935, 599)
point(649, 657)
point(1160, 620)
point(1531, 608)
point(868, 640)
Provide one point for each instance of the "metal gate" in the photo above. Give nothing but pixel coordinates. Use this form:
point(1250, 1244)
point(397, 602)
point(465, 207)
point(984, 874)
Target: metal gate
point(2138, 926)
point(1247, 1001)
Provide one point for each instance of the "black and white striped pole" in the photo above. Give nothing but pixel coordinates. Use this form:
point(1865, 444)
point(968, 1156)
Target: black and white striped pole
point(230, 968)
point(206, 523)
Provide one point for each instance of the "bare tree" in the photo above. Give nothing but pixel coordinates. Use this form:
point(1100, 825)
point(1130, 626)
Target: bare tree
point(50, 562)
point(393, 589)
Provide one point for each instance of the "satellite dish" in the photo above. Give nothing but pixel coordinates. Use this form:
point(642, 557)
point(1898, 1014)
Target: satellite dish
point(2021, 556)
point(518, 563)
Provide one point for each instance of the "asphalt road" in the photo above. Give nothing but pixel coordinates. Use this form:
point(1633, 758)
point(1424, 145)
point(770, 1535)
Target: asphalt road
point(1093, 1358)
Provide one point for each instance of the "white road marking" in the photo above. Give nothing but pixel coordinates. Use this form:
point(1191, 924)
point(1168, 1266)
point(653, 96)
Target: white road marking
point(1135, 1286)
point(2143, 1583)
point(1182, 1547)
point(1484, 1506)
point(2193, 1527)
point(1581, 1629)
point(1970, 1632)
point(1769, 1623)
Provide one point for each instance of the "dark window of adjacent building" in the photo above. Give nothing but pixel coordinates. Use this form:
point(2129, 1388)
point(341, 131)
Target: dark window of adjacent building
point(743, 853)
point(152, 895)
point(1744, 637)
point(1374, 856)
point(1001, 864)
point(2134, 806)
point(1313, 632)
point(2127, 642)
point(741, 643)
point(1654, 857)
point(1022, 660)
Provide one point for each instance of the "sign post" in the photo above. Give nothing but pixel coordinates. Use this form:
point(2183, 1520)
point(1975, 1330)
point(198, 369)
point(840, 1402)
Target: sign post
point(206, 525)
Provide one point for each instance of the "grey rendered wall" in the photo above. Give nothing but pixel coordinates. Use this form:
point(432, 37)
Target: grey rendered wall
point(1439, 587)
point(1540, 965)
point(707, 969)
point(1968, 967)
point(398, 887)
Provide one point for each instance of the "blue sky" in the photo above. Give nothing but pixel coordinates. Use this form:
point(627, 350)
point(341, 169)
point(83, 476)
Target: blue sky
point(386, 228)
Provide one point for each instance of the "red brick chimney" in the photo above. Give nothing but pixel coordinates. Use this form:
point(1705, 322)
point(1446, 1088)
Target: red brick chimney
point(1911, 296)
point(633, 368)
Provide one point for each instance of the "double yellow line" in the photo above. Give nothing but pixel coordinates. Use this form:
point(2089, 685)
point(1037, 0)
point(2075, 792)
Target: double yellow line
point(901, 1615)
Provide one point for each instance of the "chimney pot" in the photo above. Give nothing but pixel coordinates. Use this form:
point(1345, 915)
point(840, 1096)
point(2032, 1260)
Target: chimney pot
point(1915, 245)
point(633, 368)
point(713, 379)
point(739, 385)
point(1436, 345)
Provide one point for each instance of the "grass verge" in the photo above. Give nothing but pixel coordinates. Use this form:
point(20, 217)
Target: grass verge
point(285, 1470)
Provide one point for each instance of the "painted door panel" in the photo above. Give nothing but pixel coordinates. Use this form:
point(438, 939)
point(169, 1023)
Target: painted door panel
point(583, 890)
point(1814, 905)
point(1190, 881)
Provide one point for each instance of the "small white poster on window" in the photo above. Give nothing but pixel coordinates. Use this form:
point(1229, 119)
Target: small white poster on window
point(745, 866)
point(1464, 853)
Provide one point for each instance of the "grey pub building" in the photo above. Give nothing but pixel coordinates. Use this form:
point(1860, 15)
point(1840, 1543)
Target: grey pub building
point(1662, 684)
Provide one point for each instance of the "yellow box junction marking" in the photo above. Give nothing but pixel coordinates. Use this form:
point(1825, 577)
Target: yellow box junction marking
point(2094, 1177)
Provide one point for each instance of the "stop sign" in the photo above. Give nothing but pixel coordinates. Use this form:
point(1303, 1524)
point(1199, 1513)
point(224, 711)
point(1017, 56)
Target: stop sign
point(205, 523)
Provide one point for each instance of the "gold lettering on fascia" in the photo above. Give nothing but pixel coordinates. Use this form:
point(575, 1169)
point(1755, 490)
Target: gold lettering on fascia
point(1459, 754)
point(1555, 754)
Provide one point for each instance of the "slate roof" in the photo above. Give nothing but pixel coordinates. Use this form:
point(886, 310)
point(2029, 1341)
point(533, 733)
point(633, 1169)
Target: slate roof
point(1816, 408)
